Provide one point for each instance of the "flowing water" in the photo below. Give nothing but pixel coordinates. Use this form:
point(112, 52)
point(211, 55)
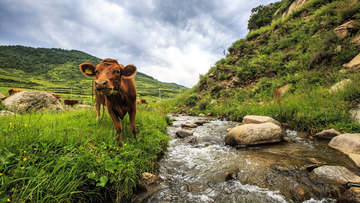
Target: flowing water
point(206, 170)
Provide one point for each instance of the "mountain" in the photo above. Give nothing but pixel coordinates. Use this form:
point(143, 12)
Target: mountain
point(57, 70)
point(294, 53)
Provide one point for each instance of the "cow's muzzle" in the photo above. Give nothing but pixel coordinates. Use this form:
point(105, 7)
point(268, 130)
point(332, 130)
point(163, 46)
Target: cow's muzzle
point(102, 87)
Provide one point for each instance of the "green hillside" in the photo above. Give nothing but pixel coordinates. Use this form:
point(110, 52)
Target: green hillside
point(57, 70)
point(285, 67)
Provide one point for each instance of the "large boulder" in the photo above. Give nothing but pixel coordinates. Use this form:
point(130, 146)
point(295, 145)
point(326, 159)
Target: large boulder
point(253, 134)
point(343, 30)
point(28, 101)
point(295, 5)
point(351, 195)
point(2, 97)
point(348, 144)
point(334, 175)
point(354, 63)
point(259, 119)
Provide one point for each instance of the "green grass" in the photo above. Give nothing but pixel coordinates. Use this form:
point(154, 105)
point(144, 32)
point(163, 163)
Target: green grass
point(69, 157)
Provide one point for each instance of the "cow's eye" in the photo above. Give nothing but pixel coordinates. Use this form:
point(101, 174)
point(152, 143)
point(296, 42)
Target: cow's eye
point(96, 72)
point(116, 72)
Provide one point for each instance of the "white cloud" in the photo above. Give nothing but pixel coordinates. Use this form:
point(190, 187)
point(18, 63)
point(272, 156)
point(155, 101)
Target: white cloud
point(170, 40)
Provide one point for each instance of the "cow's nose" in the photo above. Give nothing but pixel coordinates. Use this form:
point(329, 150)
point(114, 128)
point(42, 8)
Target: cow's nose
point(101, 84)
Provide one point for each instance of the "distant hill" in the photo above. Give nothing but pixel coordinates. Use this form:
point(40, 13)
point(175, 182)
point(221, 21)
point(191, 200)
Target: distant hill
point(57, 70)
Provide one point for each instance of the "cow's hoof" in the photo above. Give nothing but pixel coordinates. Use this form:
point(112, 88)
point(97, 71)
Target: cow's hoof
point(98, 119)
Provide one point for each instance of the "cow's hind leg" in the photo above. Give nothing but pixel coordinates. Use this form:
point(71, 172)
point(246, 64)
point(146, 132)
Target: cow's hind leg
point(132, 117)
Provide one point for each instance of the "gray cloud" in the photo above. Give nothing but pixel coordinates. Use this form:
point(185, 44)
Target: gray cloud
point(171, 40)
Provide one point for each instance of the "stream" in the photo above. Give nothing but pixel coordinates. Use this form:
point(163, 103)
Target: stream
point(201, 168)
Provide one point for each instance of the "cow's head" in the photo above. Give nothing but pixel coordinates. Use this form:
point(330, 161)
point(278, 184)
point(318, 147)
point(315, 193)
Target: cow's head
point(108, 74)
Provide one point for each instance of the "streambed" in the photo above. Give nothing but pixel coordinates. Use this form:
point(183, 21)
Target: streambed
point(206, 170)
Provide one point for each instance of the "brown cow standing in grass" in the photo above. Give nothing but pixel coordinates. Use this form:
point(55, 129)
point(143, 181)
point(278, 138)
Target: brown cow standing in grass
point(13, 91)
point(116, 84)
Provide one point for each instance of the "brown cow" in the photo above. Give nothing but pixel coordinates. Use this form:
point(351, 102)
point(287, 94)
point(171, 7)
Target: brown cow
point(116, 83)
point(55, 95)
point(13, 91)
point(70, 102)
point(141, 101)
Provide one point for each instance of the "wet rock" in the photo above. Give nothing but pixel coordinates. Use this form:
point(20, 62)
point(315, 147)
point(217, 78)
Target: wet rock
point(326, 134)
point(209, 114)
point(182, 133)
point(334, 175)
point(259, 119)
point(202, 115)
point(28, 101)
point(352, 196)
point(191, 140)
point(253, 134)
point(147, 186)
point(199, 123)
point(189, 125)
point(348, 144)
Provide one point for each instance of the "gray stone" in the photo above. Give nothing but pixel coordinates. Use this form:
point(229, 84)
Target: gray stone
point(354, 63)
point(253, 134)
point(352, 195)
point(326, 134)
point(343, 30)
point(28, 101)
point(80, 106)
point(295, 5)
point(339, 85)
point(6, 113)
point(189, 125)
point(259, 119)
point(182, 133)
point(334, 175)
point(236, 79)
point(348, 144)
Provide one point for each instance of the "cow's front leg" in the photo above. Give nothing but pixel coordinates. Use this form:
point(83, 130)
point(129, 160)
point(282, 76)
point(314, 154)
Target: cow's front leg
point(97, 107)
point(117, 124)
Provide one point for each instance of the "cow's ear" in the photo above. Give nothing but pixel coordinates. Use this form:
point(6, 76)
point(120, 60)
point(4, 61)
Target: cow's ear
point(88, 69)
point(128, 71)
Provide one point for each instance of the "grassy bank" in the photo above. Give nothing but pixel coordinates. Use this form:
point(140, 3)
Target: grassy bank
point(305, 106)
point(69, 157)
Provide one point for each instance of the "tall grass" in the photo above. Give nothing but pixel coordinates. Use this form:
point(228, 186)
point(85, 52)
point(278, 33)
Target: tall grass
point(69, 157)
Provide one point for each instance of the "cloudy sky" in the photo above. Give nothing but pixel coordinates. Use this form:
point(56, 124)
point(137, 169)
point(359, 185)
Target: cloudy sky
point(170, 40)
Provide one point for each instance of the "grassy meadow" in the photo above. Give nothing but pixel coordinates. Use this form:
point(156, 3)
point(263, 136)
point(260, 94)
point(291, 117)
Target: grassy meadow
point(70, 157)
